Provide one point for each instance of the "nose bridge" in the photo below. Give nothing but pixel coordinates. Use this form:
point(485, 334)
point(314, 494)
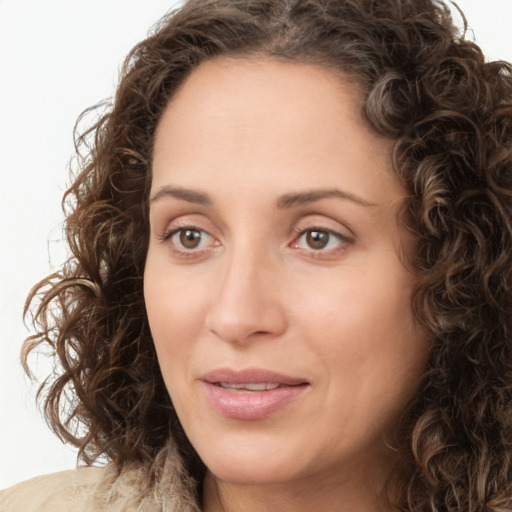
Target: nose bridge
point(245, 301)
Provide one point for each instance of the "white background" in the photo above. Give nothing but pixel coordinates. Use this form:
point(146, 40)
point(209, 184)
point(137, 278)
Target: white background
point(58, 57)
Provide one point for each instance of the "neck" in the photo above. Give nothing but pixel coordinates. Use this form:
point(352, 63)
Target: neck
point(319, 494)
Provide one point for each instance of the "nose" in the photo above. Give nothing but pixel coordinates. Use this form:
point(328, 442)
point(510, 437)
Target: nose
point(246, 303)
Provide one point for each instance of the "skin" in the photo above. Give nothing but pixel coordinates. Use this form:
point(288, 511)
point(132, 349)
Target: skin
point(241, 136)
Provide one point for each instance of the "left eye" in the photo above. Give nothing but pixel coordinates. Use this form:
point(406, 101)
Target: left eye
point(318, 240)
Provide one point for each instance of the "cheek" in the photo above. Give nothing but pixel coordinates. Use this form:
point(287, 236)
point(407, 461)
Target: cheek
point(391, 350)
point(175, 308)
point(363, 303)
point(362, 328)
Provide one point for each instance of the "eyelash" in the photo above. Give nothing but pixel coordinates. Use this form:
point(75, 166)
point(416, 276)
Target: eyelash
point(343, 241)
point(184, 253)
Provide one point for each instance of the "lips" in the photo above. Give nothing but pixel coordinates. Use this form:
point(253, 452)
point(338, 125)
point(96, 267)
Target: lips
point(251, 394)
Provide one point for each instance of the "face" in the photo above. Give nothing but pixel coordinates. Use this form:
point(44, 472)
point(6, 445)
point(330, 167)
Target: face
point(276, 295)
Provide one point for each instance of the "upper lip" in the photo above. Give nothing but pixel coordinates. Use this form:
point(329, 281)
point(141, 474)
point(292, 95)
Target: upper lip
point(251, 376)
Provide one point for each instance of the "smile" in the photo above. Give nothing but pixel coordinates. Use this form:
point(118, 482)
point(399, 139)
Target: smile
point(251, 394)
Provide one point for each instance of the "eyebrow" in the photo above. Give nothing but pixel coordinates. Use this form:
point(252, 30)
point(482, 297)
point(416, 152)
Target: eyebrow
point(310, 196)
point(283, 202)
point(185, 194)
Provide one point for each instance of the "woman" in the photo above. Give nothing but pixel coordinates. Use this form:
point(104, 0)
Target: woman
point(289, 287)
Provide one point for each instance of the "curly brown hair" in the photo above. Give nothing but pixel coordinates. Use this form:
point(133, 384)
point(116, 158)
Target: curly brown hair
point(450, 114)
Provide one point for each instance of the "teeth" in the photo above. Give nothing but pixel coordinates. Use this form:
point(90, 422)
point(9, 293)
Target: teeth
point(263, 386)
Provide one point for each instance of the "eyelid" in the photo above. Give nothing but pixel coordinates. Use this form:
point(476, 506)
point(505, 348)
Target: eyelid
point(322, 222)
point(323, 228)
point(183, 224)
point(183, 221)
point(342, 244)
point(343, 233)
point(348, 239)
point(169, 233)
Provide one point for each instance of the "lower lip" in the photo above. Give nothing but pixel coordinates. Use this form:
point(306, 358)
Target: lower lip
point(253, 405)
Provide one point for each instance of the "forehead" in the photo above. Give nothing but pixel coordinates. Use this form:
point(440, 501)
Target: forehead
point(250, 92)
point(252, 121)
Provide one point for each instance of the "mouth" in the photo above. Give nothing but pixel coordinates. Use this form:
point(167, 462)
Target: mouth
point(252, 379)
point(251, 394)
point(248, 388)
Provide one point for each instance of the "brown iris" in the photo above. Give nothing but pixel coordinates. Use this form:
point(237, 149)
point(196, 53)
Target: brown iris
point(190, 238)
point(317, 239)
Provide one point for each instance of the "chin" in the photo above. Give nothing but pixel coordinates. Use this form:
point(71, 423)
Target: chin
point(252, 464)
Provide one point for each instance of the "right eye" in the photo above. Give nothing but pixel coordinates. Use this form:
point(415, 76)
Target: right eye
point(189, 239)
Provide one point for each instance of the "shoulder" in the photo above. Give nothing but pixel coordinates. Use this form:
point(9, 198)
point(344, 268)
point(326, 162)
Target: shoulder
point(72, 491)
point(105, 489)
